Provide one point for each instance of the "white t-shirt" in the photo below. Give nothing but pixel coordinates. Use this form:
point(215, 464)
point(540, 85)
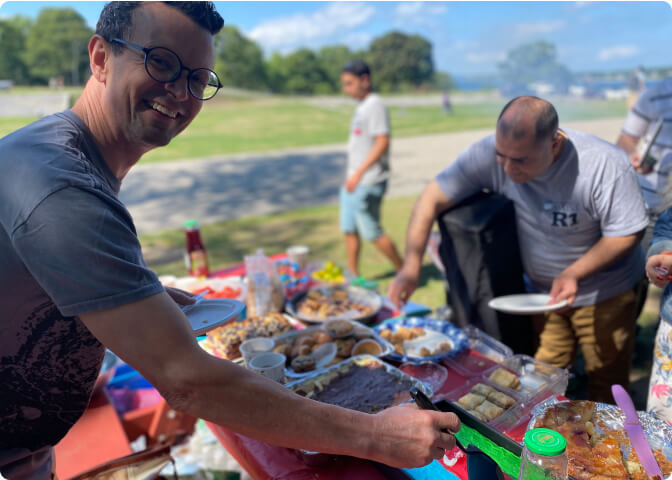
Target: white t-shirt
point(589, 192)
point(654, 103)
point(370, 120)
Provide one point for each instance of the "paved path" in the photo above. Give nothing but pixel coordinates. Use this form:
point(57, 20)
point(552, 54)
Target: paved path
point(163, 196)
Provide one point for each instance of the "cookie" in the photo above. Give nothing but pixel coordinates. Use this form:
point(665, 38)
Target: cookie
point(303, 363)
point(339, 328)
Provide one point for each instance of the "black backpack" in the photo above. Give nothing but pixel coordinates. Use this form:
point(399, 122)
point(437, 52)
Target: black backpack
point(481, 257)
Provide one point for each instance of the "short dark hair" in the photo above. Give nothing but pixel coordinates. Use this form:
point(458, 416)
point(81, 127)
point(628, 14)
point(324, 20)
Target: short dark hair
point(546, 122)
point(358, 68)
point(116, 18)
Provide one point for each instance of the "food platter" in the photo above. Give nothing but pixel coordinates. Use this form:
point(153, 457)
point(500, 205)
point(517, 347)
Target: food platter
point(324, 303)
point(456, 338)
point(597, 445)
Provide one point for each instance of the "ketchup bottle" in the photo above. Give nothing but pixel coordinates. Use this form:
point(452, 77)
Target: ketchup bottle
point(195, 257)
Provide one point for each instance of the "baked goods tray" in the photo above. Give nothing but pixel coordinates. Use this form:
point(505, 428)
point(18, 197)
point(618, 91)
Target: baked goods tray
point(320, 380)
point(358, 333)
point(657, 431)
point(370, 299)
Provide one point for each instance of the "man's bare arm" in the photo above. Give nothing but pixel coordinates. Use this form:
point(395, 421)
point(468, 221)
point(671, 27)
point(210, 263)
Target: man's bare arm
point(432, 201)
point(154, 336)
point(603, 254)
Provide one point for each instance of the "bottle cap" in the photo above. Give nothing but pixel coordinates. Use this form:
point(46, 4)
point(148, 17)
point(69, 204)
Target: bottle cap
point(544, 441)
point(191, 224)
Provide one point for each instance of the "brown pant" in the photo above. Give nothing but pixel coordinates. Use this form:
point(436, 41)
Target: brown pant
point(606, 333)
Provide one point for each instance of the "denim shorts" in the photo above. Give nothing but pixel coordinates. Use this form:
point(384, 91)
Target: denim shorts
point(360, 210)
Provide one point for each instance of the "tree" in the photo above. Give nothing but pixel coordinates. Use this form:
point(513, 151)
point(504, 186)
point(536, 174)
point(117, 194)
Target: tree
point(240, 61)
point(333, 59)
point(399, 60)
point(57, 46)
point(304, 74)
point(533, 62)
point(442, 81)
point(12, 45)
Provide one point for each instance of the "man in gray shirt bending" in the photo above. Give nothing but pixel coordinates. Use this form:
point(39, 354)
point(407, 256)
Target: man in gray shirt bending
point(579, 215)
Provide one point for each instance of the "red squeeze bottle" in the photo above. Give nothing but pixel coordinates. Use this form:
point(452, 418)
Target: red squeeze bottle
point(195, 257)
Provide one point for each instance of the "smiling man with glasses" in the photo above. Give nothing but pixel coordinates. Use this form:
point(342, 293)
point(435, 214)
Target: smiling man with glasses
point(73, 280)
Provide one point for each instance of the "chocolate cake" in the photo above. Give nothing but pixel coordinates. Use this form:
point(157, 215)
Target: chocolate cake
point(368, 389)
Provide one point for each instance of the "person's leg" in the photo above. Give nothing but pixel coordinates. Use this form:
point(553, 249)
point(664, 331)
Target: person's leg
point(348, 203)
point(557, 343)
point(352, 247)
point(660, 385)
point(387, 248)
point(606, 333)
point(368, 221)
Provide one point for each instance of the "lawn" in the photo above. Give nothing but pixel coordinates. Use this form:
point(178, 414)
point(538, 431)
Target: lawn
point(229, 125)
point(227, 243)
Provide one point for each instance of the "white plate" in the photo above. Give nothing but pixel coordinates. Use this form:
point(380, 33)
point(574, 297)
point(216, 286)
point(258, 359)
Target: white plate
point(206, 314)
point(525, 304)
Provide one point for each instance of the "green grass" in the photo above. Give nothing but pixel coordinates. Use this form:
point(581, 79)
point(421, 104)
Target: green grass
point(227, 243)
point(229, 125)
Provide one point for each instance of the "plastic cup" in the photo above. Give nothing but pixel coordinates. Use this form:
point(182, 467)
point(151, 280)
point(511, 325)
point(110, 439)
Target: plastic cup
point(270, 365)
point(253, 347)
point(299, 254)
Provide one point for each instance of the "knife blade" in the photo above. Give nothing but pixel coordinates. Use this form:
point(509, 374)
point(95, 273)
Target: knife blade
point(635, 432)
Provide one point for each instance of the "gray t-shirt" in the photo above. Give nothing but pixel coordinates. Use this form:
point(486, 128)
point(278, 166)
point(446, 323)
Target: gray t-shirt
point(370, 120)
point(67, 246)
point(590, 191)
point(654, 103)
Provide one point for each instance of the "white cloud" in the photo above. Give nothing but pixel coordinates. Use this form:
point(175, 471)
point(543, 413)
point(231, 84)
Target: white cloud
point(617, 51)
point(418, 10)
point(330, 23)
point(357, 40)
point(536, 28)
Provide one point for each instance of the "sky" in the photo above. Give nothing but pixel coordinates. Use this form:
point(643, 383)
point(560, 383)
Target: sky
point(469, 38)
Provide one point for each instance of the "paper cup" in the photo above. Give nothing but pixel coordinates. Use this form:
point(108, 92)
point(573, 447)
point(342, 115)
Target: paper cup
point(270, 365)
point(299, 254)
point(253, 347)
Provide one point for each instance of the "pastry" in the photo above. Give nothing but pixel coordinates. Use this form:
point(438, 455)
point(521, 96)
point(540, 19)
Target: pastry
point(501, 399)
point(505, 378)
point(344, 346)
point(477, 415)
point(303, 363)
point(483, 389)
point(489, 410)
point(471, 400)
point(339, 328)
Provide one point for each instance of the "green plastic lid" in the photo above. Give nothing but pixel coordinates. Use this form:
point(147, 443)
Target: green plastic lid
point(191, 224)
point(544, 441)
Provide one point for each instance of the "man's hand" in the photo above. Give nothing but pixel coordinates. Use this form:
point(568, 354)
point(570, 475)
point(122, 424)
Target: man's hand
point(353, 181)
point(407, 437)
point(180, 296)
point(565, 286)
point(402, 287)
point(659, 269)
point(636, 162)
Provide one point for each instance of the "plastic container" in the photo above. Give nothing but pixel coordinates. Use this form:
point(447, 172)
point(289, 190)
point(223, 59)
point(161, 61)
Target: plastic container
point(544, 456)
point(196, 258)
point(511, 416)
point(433, 374)
point(255, 346)
point(359, 332)
point(484, 353)
point(538, 380)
